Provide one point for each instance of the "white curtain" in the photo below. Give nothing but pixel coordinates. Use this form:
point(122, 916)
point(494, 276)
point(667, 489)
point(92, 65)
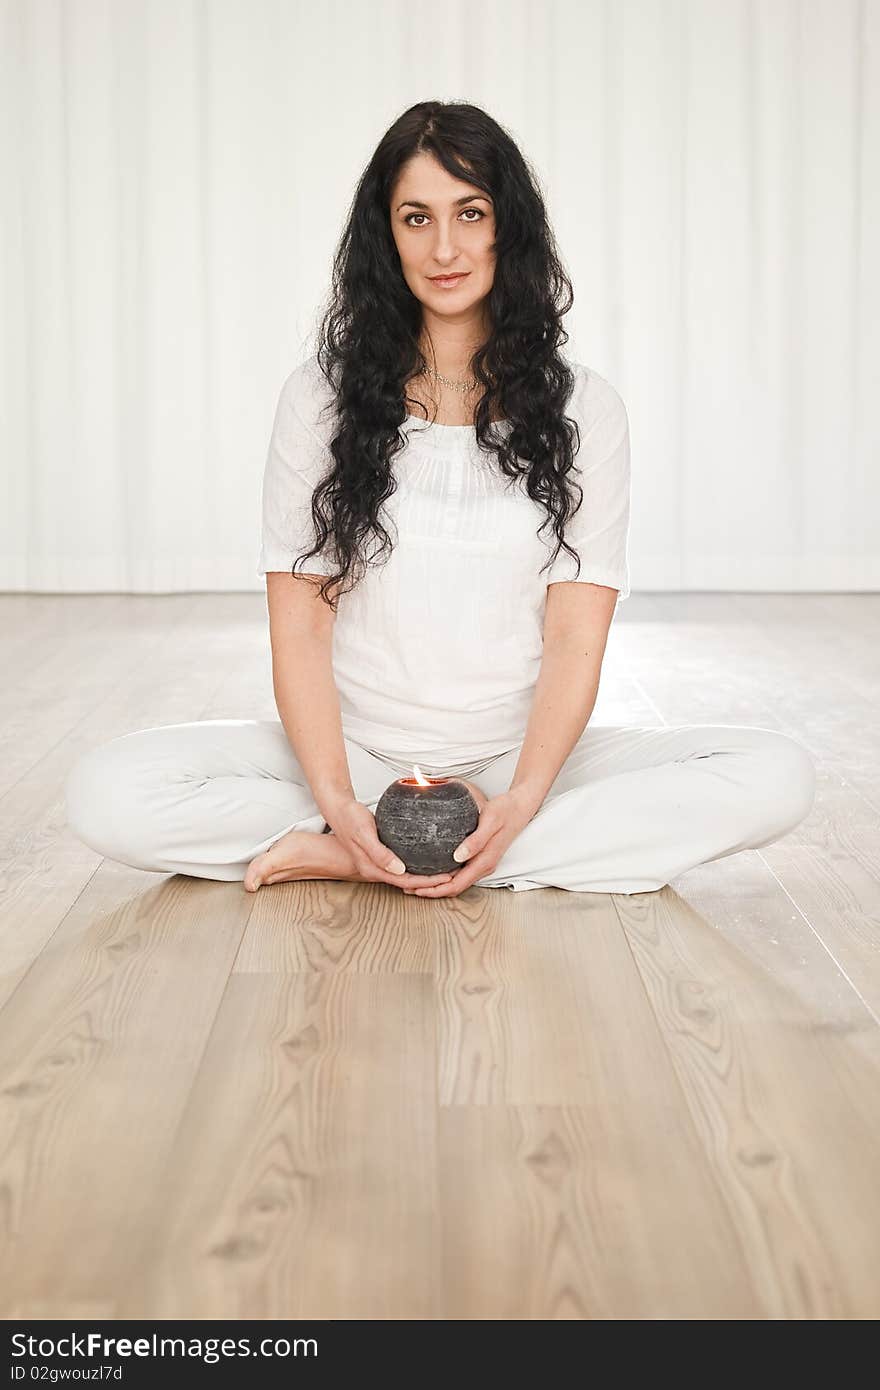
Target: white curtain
point(175, 174)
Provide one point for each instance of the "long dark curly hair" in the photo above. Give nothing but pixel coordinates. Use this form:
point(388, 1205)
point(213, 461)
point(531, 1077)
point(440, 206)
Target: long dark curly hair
point(370, 332)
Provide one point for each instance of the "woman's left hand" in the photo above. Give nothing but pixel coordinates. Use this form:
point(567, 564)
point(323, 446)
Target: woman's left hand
point(501, 820)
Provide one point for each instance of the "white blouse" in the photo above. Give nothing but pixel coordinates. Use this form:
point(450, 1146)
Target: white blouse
point(437, 651)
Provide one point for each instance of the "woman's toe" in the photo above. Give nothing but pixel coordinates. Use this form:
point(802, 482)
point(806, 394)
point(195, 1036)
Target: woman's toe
point(256, 872)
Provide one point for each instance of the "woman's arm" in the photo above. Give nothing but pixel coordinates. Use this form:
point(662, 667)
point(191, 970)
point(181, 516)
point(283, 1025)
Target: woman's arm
point(301, 632)
point(301, 625)
point(576, 623)
point(581, 601)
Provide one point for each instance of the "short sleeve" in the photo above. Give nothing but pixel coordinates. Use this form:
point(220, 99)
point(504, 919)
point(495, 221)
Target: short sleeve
point(297, 459)
point(599, 532)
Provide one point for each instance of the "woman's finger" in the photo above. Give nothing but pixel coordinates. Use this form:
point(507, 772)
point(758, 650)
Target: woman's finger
point(380, 857)
point(405, 879)
point(477, 840)
point(420, 880)
point(477, 867)
point(448, 890)
point(412, 881)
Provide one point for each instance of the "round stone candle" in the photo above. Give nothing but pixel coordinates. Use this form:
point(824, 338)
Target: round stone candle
point(423, 819)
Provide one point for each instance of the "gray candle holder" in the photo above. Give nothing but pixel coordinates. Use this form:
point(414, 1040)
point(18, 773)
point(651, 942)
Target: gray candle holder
point(424, 824)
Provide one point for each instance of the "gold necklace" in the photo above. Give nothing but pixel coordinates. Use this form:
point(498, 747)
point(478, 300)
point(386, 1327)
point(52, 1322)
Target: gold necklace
point(454, 385)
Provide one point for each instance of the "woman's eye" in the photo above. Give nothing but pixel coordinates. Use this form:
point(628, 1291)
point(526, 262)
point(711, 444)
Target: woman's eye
point(480, 215)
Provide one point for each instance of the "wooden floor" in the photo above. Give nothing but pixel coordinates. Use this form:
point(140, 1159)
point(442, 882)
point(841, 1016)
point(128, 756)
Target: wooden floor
point(335, 1101)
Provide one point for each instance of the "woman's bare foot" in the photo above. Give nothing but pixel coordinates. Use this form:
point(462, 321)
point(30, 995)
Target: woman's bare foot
point(300, 854)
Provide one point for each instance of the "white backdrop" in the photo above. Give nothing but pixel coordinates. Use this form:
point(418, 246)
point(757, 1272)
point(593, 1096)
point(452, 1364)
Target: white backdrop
point(175, 174)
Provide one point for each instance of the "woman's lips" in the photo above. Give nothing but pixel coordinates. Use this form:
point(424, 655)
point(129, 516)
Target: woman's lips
point(448, 282)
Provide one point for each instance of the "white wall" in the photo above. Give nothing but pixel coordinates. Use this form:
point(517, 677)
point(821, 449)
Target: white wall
point(175, 175)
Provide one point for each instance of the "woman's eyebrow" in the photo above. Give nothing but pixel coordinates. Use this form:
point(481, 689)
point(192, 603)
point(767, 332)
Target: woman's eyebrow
point(469, 198)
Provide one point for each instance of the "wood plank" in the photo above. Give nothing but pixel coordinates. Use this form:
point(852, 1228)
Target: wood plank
point(302, 1182)
point(99, 1048)
point(321, 924)
point(541, 1008)
point(786, 1111)
point(549, 1214)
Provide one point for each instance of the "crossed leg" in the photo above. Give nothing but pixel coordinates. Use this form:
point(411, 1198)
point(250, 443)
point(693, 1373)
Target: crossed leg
point(630, 809)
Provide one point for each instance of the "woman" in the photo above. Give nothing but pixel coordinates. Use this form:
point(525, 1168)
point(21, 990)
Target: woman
point(445, 520)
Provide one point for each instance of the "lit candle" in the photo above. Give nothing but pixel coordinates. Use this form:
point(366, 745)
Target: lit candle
point(423, 819)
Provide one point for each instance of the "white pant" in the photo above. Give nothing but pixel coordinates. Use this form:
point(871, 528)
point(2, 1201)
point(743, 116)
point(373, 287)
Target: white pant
point(630, 809)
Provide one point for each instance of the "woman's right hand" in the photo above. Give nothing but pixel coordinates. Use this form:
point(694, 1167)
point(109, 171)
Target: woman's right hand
point(355, 826)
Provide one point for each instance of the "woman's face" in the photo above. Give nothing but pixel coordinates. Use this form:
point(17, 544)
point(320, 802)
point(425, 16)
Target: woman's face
point(442, 226)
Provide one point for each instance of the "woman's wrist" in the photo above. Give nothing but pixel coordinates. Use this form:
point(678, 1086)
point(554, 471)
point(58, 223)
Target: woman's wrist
point(331, 798)
point(528, 796)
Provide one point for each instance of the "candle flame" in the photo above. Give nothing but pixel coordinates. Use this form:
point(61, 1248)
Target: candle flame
point(419, 777)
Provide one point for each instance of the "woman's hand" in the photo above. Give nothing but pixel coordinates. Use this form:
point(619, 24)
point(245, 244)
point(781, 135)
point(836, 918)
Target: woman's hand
point(501, 820)
point(354, 825)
